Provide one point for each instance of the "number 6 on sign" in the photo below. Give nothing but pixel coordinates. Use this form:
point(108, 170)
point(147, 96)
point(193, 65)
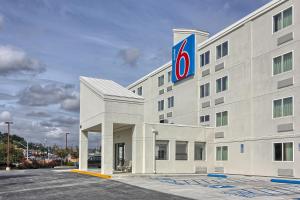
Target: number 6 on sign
point(183, 59)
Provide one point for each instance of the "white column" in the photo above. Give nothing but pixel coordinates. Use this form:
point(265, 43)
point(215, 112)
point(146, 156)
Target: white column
point(83, 150)
point(107, 146)
point(137, 149)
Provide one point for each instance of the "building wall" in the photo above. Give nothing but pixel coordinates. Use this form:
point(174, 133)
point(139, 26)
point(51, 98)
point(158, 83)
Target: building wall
point(248, 99)
point(190, 134)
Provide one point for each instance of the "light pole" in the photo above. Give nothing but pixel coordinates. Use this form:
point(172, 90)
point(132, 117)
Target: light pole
point(8, 131)
point(67, 140)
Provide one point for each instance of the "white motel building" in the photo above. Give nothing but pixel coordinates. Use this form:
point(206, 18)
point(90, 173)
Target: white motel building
point(227, 103)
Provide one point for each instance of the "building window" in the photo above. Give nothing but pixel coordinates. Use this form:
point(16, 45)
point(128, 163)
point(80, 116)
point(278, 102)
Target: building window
point(283, 107)
point(283, 63)
point(283, 19)
point(160, 92)
point(161, 80)
point(222, 119)
point(133, 91)
point(181, 150)
point(222, 50)
point(140, 91)
point(222, 153)
point(222, 84)
point(171, 102)
point(204, 90)
point(200, 150)
point(242, 149)
point(204, 118)
point(161, 150)
point(283, 151)
point(204, 59)
point(169, 76)
point(160, 105)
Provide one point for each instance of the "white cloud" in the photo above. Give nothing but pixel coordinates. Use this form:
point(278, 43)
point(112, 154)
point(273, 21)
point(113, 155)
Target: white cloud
point(130, 56)
point(5, 116)
point(55, 133)
point(16, 61)
point(71, 104)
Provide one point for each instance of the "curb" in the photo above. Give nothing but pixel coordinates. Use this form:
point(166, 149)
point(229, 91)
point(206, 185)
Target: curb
point(104, 176)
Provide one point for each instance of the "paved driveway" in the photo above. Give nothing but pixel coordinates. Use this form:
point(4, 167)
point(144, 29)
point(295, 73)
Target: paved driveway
point(57, 184)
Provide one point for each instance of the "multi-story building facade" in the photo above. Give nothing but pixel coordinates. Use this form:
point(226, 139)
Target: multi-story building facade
point(238, 112)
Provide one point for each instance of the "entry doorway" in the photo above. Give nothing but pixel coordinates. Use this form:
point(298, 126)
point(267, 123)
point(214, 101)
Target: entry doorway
point(119, 155)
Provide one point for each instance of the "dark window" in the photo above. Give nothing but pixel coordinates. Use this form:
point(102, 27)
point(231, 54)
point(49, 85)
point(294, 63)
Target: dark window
point(278, 151)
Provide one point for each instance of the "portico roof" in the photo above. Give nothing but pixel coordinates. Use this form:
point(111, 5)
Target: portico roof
point(110, 89)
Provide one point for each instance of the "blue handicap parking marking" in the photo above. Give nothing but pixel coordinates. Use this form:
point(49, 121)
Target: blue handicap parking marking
point(232, 186)
point(241, 193)
point(221, 186)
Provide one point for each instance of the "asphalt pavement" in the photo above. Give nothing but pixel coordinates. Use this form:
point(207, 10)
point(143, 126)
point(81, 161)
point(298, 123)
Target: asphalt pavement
point(62, 185)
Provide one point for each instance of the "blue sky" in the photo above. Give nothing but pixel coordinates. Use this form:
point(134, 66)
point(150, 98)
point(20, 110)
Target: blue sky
point(45, 45)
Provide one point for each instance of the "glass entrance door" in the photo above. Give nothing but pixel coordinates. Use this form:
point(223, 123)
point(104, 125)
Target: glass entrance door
point(119, 155)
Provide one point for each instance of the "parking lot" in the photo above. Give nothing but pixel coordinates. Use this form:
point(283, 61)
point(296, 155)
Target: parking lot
point(60, 184)
point(203, 187)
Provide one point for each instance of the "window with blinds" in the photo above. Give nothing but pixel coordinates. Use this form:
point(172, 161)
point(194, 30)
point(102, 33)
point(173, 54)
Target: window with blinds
point(283, 63)
point(283, 19)
point(283, 107)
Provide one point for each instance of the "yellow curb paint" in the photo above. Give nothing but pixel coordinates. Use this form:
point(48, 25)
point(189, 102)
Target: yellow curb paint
point(104, 176)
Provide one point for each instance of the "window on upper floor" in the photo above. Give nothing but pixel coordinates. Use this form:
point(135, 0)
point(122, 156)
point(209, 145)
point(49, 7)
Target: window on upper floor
point(204, 59)
point(283, 151)
point(222, 84)
point(160, 105)
point(204, 118)
point(222, 119)
point(133, 91)
point(161, 80)
point(169, 76)
point(283, 107)
point(283, 63)
point(140, 91)
point(222, 50)
point(204, 90)
point(171, 102)
point(283, 19)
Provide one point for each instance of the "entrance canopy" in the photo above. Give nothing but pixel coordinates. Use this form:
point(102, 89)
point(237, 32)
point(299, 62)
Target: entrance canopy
point(104, 106)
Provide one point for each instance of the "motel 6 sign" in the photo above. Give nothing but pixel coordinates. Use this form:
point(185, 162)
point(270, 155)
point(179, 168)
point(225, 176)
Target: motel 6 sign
point(183, 59)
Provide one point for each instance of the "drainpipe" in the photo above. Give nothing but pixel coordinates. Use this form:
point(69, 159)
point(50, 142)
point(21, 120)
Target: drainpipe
point(155, 132)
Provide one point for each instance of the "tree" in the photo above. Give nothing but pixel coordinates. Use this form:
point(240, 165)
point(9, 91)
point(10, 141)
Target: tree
point(61, 153)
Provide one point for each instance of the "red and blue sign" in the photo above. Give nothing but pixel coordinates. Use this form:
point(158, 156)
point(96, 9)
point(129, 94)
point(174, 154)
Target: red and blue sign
point(183, 59)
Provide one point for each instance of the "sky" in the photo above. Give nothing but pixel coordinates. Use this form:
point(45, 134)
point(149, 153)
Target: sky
point(45, 45)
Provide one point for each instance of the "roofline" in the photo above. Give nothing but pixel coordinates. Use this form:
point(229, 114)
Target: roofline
point(183, 30)
point(110, 97)
point(156, 71)
point(217, 36)
point(241, 22)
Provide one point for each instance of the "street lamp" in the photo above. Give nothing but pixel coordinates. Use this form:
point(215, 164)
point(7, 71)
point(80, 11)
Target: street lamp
point(67, 140)
point(8, 131)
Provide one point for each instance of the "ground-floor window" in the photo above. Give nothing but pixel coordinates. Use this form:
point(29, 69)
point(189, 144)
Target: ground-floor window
point(222, 153)
point(181, 150)
point(200, 150)
point(283, 151)
point(161, 150)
